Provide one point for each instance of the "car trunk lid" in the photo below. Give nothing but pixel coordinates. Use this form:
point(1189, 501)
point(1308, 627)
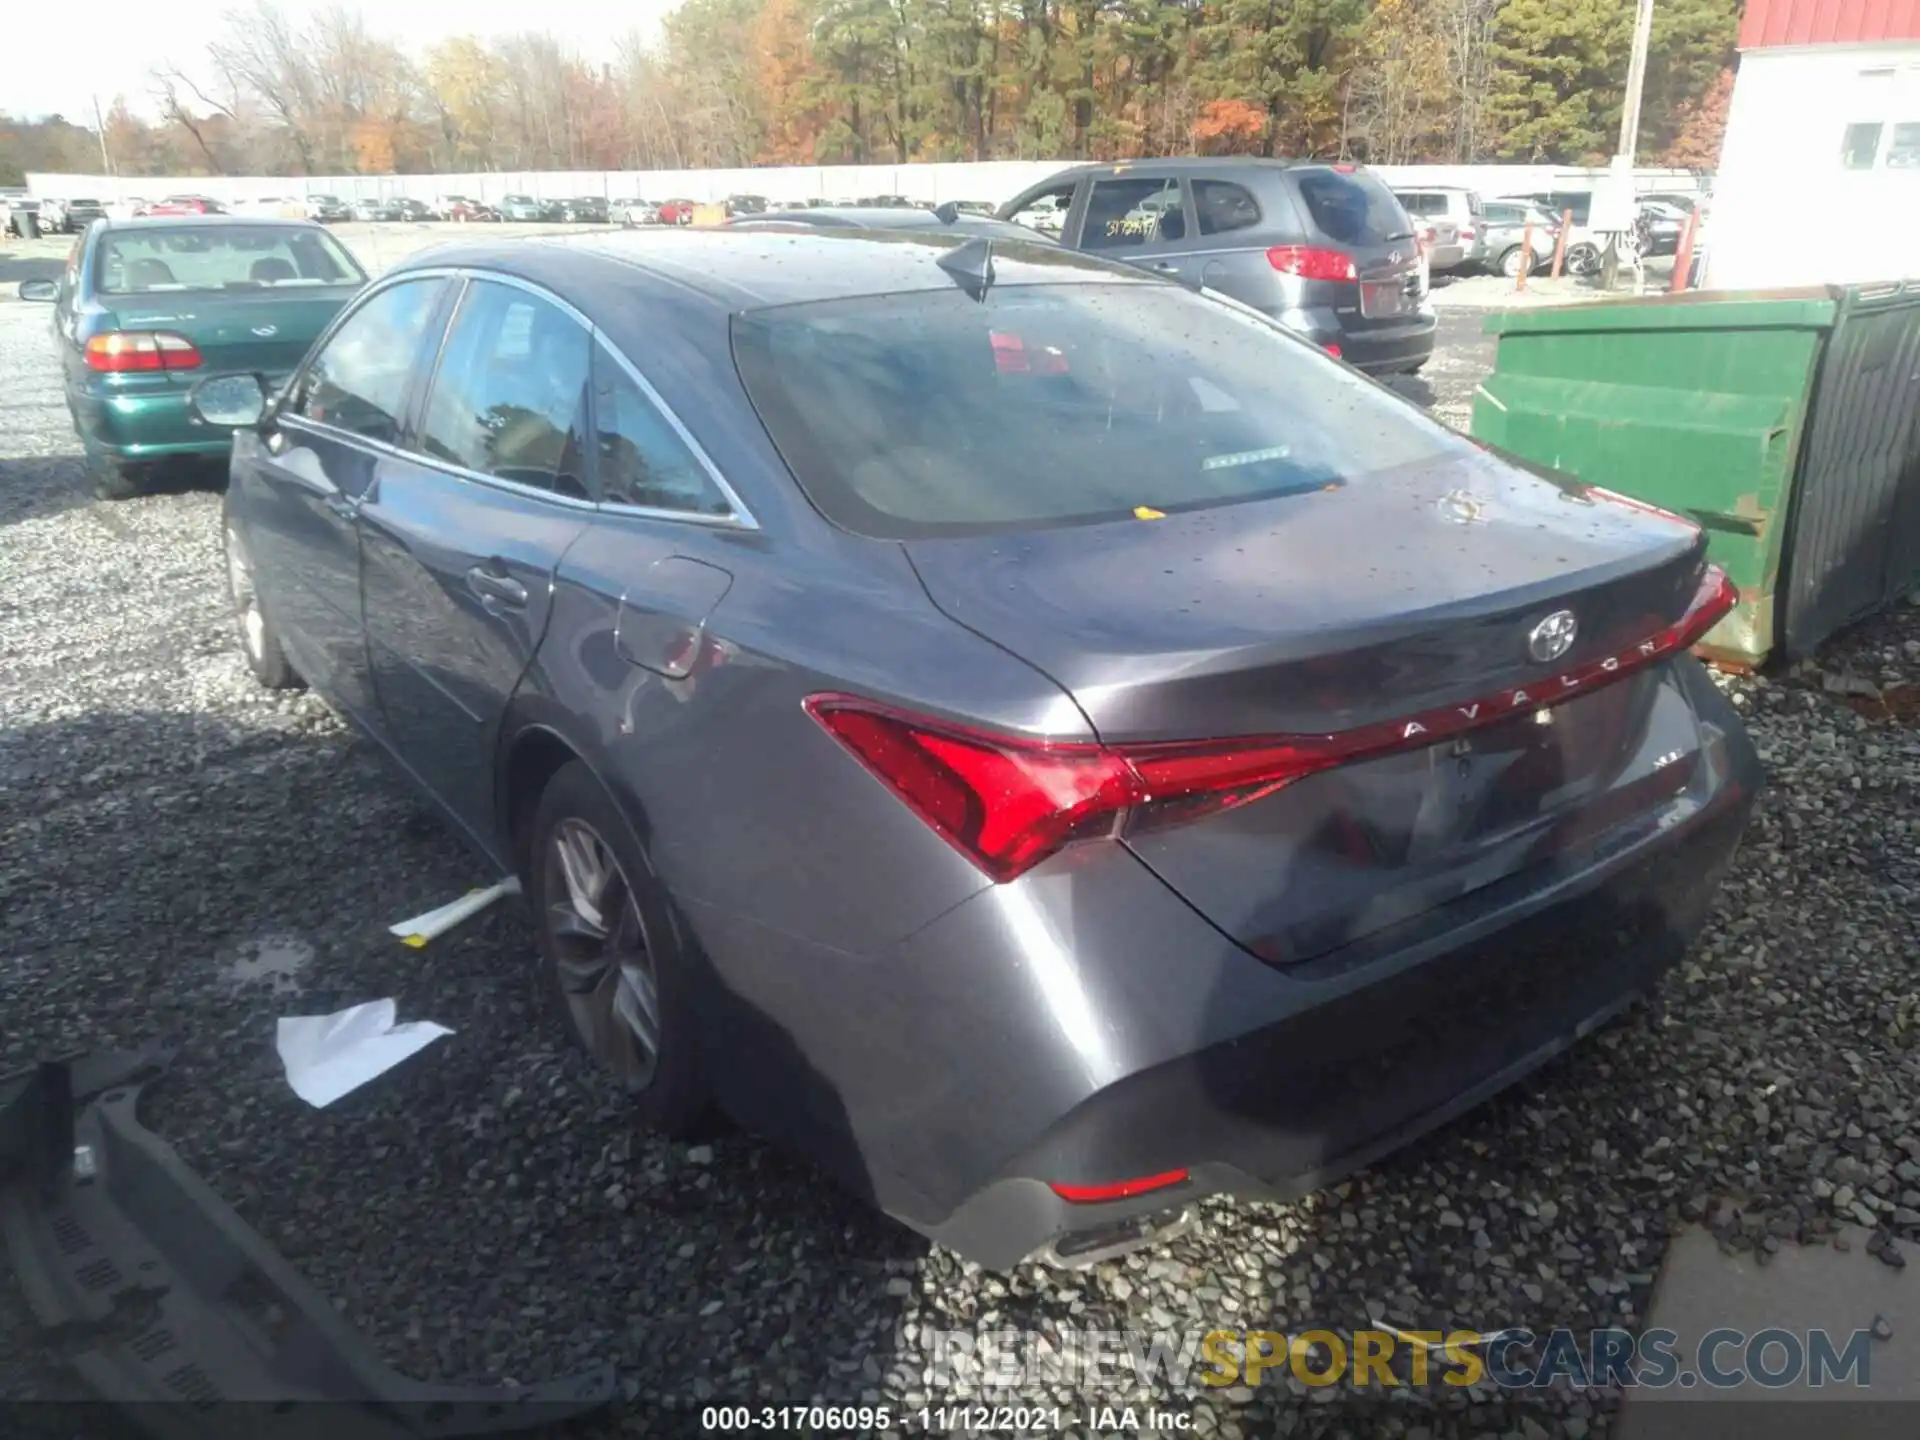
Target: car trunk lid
point(267, 328)
point(1398, 612)
point(1346, 209)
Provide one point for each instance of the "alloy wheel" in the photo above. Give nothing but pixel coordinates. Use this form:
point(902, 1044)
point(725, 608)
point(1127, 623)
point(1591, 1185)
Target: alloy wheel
point(606, 972)
point(246, 600)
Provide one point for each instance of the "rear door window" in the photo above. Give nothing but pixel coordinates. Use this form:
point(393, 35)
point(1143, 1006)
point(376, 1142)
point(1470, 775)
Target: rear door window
point(1220, 206)
point(1351, 208)
point(1126, 212)
point(510, 397)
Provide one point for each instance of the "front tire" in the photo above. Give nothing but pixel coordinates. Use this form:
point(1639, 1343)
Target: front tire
point(614, 960)
point(117, 479)
point(258, 643)
point(1516, 258)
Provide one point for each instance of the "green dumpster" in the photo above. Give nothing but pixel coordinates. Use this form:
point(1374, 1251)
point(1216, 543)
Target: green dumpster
point(1784, 422)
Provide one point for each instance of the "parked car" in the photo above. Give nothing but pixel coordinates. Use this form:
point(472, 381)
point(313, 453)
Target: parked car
point(1582, 255)
point(973, 207)
point(1660, 226)
point(951, 222)
point(464, 208)
point(416, 211)
point(177, 205)
point(676, 212)
point(1502, 242)
point(746, 205)
point(526, 209)
point(890, 202)
point(272, 207)
point(585, 210)
point(377, 210)
point(1683, 200)
point(850, 657)
point(1455, 216)
point(328, 209)
point(638, 212)
point(144, 308)
point(1324, 249)
point(70, 216)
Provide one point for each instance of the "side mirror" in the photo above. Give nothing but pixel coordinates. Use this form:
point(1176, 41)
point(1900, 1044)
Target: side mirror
point(45, 291)
point(232, 402)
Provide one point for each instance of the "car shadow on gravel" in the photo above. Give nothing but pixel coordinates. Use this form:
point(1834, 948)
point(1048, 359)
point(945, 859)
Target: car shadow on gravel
point(486, 1211)
point(37, 487)
point(15, 268)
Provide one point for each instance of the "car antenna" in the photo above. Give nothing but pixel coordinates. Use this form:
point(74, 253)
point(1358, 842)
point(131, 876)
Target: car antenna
point(971, 264)
point(948, 212)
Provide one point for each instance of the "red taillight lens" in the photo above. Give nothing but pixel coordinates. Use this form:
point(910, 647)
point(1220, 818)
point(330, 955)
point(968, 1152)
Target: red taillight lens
point(121, 351)
point(1310, 262)
point(1332, 348)
point(1118, 1190)
point(1468, 233)
point(1007, 803)
point(1004, 803)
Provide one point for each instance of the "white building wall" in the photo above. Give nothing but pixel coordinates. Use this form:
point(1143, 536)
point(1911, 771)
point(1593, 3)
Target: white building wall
point(990, 181)
point(1786, 209)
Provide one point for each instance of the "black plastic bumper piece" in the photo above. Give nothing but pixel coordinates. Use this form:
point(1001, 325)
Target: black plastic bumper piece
point(169, 1305)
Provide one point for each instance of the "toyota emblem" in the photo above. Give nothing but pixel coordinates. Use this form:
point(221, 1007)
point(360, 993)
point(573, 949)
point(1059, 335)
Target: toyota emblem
point(1553, 636)
point(1393, 257)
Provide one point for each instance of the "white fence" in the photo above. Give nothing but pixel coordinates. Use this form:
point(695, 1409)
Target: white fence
point(990, 181)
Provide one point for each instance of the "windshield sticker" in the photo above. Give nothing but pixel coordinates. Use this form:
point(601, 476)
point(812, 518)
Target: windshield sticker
point(1246, 457)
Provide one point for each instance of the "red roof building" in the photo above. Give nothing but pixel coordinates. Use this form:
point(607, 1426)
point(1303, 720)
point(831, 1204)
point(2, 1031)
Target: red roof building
point(1770, 24)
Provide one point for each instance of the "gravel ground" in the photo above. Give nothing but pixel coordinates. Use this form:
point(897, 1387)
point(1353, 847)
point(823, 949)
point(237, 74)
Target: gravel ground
point(183, 854)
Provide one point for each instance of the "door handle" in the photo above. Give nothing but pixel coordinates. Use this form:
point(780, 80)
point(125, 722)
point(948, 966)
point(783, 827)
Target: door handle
point(489, 584)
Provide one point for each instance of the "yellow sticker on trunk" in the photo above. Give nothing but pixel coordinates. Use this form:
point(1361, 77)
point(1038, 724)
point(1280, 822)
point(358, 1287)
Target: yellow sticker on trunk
point(1147, 512)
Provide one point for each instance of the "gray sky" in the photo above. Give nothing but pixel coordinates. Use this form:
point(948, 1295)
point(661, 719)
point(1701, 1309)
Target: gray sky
point(57, 56)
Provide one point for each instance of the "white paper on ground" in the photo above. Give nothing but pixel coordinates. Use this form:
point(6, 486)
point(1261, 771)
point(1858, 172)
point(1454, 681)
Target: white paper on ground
point(327, 1056)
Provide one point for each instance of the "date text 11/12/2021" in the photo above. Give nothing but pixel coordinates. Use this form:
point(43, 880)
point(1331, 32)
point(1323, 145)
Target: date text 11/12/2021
point(943, 1419)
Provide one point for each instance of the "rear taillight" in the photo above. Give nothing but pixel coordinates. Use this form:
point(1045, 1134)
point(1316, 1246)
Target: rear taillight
point(1007, 803)
point(121, 351)
point(1310, 262)
point(1332, 347)
point(1467, 234)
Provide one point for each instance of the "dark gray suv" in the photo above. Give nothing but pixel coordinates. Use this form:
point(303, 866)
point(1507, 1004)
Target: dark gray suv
point(1324, 249)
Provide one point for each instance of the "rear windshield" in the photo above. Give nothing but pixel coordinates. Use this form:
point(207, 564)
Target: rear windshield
point(1352, 208)
point(932, 414)
point(136, 262)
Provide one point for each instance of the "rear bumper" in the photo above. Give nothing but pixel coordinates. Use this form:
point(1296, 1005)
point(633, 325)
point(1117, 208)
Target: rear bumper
point(1311, 1097)
point(135, 425)
point(1328, 1066)
point(1378, 349)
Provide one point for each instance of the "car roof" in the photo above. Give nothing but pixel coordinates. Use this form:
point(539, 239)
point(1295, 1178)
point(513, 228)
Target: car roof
point(758, 266)
point(208, 222)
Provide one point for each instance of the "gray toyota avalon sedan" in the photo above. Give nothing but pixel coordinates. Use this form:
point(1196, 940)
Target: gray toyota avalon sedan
point(1044, 741)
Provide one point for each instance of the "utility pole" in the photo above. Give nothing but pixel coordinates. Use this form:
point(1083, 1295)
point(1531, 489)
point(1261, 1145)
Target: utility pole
point(1636, 80)
point(1629, 126)
point(100, 129)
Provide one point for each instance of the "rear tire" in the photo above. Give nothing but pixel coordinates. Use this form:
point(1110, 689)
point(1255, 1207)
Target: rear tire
point(258, 643)
point(117, 479)
point(614, 960)
point(1583, 259)
point(1514, 258)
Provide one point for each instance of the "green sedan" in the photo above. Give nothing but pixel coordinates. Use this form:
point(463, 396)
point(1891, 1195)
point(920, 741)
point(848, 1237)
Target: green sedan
point(145, 308)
